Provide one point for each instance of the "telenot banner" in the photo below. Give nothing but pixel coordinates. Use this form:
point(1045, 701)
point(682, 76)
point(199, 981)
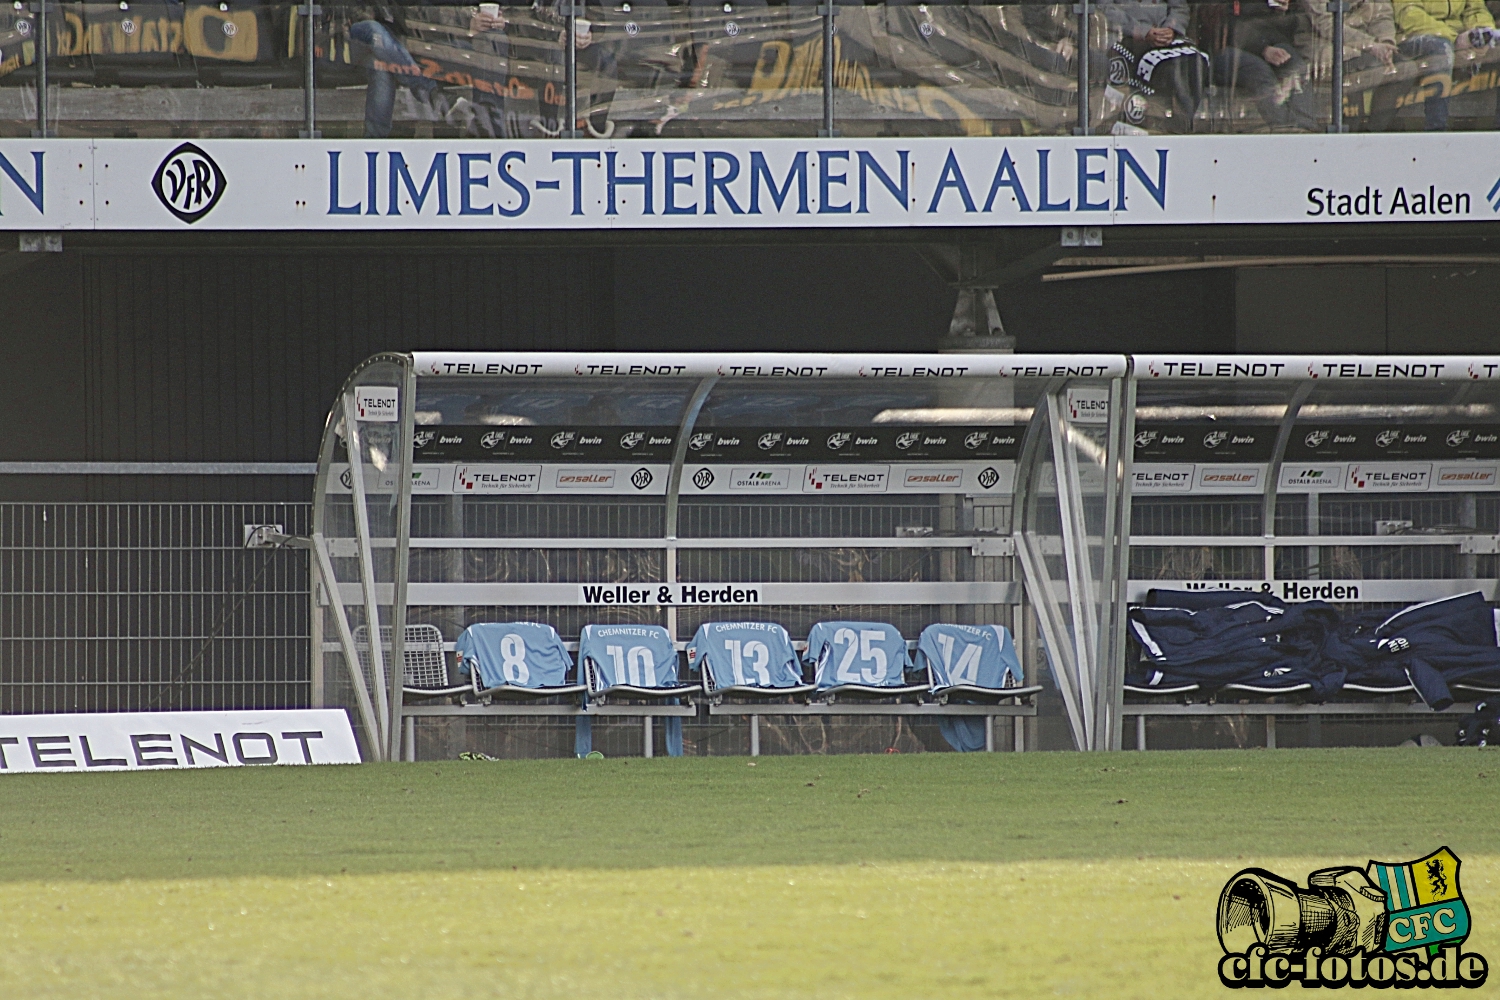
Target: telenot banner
point(137, 741)
point(257, 184)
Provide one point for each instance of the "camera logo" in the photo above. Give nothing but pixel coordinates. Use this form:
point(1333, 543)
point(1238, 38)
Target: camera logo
point(1399, 924)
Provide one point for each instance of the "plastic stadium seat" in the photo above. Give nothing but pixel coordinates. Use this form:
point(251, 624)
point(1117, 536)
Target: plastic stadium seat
point(516, 661)
point(627, 666)
point(1170, 689)
point(426, 672)
point(874, 652)
point(747, 660)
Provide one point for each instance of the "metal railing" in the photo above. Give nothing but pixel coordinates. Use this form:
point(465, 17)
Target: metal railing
point(146, 606)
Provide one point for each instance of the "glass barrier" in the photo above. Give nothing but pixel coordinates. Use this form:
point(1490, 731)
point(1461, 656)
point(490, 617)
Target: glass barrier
point(744, 68)
point(153, 69)
point(420, 71)
point(18, 54)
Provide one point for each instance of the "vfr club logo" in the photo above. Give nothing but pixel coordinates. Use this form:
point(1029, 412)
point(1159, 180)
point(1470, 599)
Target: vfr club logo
point(1399, 924)
point(700, 441)
point(491, 439)
point(976, 440)
point(1213, 439)
point(1456, 438)
point(630, 441)
point(839, 440)
point(189, 183)
point(1386, 438)
point(703, 479)
point(988, 477)
point(769, 441)
point(1315, 439)
point(562, 439)
point(905, 441)
point(640, 478)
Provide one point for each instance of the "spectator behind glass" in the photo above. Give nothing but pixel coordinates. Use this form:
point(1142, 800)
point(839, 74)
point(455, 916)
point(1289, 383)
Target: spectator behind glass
point(1370, 44)
point(1262, 62)
point(1436, 28)
point(1156, 56)
point(391, 63)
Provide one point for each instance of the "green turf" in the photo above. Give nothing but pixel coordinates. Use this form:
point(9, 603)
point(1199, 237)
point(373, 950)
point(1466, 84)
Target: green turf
point(975, 875)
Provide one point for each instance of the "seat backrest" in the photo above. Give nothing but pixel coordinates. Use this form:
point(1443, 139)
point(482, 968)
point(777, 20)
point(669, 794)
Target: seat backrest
point(520, 654)
point(637, 655)
point(978, 655)
point(746, 654)
point(869, 653)
point(426, 666)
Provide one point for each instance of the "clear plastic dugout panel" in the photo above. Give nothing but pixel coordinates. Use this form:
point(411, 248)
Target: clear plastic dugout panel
point(675, 490)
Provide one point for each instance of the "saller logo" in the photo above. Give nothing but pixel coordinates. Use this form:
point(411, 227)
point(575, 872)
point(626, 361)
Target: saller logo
point(1399, 924)
point(189, 183)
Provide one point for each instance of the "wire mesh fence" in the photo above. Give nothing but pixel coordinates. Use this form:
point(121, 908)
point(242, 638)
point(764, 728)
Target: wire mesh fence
point(112, 607)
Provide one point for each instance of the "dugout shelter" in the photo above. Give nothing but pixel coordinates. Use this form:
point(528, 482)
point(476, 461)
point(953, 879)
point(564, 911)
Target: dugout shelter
point(680, 489)
point(1368, 483)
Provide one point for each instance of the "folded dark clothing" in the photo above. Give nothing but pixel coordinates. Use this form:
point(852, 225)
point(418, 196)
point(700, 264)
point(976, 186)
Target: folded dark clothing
point(1195, 600)
point(1249, 642)
point(1431, 645)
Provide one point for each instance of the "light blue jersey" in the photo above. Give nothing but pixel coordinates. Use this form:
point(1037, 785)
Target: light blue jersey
point(523, 654)
point(753, 654)
point(637, 655)
point(979, 655)
point(869, 653)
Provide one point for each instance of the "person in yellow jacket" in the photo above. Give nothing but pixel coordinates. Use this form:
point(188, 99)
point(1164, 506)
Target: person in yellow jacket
point(1434, 29)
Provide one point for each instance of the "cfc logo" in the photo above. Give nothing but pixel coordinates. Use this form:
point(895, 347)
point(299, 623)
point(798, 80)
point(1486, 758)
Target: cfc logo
point(905, 441)
point(976, 440)
point(840, 440)
point(631, 441)
point(562, 439)
point(1315, 439)
point(768, 441)
point(1386, 438)
point(1456, 438)
point(700, 440)
point(1399, 924)
point(1213, 439)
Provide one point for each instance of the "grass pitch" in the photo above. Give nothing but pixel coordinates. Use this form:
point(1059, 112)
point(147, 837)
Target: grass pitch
point(984, 875)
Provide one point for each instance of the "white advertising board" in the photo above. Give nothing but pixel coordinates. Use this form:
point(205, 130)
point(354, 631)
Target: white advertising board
point(137, 741)
point(472, 184)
